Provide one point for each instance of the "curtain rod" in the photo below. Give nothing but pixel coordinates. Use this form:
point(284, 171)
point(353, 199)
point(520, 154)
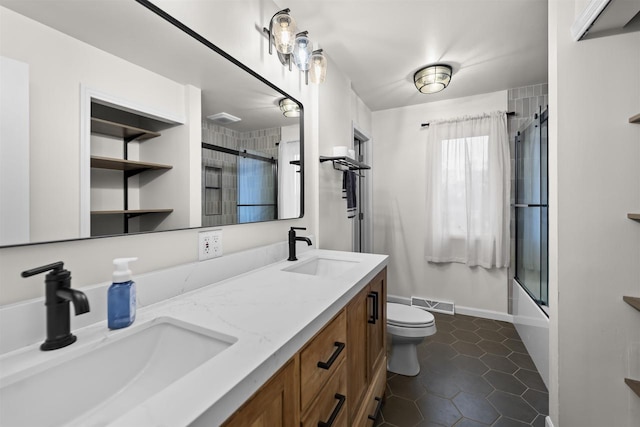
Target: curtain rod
point(509, 113)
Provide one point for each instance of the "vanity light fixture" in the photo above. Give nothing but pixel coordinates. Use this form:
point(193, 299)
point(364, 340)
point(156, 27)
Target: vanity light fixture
point(289, 108)
point(294, 47)
point(433, 78)
point(318, 68)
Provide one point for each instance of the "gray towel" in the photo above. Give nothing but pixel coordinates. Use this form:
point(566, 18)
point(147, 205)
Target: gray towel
point(349, 192)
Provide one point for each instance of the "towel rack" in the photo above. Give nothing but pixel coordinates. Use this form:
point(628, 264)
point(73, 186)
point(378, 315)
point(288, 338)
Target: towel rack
point(342, 161)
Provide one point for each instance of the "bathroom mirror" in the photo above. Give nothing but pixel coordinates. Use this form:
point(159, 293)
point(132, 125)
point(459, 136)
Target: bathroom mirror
point(118, 119)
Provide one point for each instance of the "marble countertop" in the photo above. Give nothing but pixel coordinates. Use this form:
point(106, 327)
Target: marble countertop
point(271, 312)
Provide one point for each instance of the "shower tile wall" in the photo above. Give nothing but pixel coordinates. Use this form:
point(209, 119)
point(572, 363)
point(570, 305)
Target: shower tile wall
point(525, 101)
point(261, 140)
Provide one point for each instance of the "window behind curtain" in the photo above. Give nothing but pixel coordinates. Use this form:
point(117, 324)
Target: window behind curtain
point(468, 185)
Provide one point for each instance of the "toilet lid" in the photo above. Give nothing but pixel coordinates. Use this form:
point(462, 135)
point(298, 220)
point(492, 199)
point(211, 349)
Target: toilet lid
point(405, 315)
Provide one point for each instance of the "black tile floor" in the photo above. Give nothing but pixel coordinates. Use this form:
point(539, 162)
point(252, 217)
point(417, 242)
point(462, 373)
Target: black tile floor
point(474, 372)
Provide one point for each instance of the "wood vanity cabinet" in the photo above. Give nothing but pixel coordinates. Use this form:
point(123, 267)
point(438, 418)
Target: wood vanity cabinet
point(337, 379)
point(367, 360)
point(275, 404)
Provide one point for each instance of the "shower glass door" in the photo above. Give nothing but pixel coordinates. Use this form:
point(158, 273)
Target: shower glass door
point(531, 209)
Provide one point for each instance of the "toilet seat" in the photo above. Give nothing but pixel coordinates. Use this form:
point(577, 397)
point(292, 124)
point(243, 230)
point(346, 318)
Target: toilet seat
point(405, 316)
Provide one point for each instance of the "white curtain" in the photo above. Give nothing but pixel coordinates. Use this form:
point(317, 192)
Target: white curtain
point(468, 184)
point(288, 180)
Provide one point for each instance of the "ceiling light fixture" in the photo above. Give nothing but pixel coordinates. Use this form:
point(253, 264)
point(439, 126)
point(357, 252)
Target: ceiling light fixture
point(433, 78)
point(295, 47)
point(289, 108)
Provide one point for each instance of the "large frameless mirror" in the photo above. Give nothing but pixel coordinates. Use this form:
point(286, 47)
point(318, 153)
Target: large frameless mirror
point(118, 119)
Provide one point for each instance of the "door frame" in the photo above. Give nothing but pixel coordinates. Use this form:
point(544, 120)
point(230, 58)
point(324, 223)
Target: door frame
point(367, 190)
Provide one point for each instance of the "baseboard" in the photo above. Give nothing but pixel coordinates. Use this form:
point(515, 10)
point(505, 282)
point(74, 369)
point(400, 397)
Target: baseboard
point(469, 311)
point(547, 422)
point(485, 314)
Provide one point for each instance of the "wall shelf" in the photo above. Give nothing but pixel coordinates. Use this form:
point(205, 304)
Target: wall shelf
point(635, 216)
point(633, 385)
point(635, 119)
point(632, 301)
point(132, 212)
point(342, 161)
point(119, 130)
point(125, 165)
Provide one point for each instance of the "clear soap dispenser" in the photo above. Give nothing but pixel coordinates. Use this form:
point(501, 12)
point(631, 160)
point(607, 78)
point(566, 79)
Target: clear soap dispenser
point(121, 297)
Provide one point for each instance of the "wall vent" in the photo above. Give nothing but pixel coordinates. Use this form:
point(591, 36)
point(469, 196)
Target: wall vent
point(433, 305)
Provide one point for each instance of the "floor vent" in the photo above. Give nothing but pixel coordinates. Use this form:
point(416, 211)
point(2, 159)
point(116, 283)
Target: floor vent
point(432, 305)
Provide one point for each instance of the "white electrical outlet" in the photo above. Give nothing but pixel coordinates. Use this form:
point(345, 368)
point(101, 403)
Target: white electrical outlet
point(209, 244)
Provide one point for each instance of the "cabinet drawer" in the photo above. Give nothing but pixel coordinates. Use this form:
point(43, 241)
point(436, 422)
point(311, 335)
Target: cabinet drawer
point(331, 405)
point(321, 357)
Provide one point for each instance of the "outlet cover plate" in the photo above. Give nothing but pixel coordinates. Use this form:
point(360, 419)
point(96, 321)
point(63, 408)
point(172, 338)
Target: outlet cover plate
point(209, 244)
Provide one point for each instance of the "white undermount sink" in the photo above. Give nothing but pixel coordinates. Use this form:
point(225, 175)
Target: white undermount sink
point(97, 383)
point(319, 266)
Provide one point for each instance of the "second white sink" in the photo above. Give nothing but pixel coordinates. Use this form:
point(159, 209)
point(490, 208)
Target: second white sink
point(96, 384)
point(319, 266)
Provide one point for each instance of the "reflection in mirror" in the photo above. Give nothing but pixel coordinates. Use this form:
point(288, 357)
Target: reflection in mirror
point(117, 121)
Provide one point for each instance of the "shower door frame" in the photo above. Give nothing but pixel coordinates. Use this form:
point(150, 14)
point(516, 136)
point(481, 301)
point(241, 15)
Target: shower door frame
point(542, 117)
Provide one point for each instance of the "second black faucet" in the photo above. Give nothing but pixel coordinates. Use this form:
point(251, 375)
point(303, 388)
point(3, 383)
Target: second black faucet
point(292, 242)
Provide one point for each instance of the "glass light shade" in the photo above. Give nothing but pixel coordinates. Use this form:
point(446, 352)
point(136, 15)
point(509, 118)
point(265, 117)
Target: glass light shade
point(289, 108)
point(318, 68)
point(283, 30)
point(302, 51)
point(432, 79)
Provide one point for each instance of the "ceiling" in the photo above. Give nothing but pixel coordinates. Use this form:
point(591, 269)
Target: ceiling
point(379, 44)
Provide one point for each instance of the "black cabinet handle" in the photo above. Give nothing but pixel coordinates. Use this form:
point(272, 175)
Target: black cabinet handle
point(377, 411)
point(373, 317)
point(335, 412)
point(376, 313)
point(334, 356)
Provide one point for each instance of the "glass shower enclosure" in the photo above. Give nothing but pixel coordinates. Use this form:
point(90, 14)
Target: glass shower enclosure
point(531, 209)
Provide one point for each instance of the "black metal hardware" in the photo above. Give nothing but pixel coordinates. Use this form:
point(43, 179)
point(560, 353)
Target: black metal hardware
point(373, 317)
point(508, 113)
point(347, 162)
point(376, 311)
point(341, 398)
point(292, 242)
point(339, 347)
point(58, 294)
point(376, 413)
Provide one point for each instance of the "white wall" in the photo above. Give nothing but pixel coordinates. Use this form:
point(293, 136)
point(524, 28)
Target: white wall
point(594, 178)
point(399, 207)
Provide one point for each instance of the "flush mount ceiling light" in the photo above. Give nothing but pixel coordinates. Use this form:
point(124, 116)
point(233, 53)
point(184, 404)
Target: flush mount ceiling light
point(289, 108)
point(295, 47)
point(433, 78)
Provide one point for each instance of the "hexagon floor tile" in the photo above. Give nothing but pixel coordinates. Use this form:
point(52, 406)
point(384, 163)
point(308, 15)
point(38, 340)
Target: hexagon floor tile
point(474, 372)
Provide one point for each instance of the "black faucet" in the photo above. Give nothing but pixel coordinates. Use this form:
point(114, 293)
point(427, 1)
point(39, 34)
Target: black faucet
point(292, 242)
point(58, 293)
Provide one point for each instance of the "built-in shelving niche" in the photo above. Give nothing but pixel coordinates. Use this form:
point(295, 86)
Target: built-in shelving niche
point(128, 127)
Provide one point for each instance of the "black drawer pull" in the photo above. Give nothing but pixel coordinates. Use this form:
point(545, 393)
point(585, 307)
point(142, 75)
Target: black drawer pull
point(334, 356)
point(377, 411)
point(335, 412)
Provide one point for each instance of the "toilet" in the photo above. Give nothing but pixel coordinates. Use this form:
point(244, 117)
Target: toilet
point(408, 326)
